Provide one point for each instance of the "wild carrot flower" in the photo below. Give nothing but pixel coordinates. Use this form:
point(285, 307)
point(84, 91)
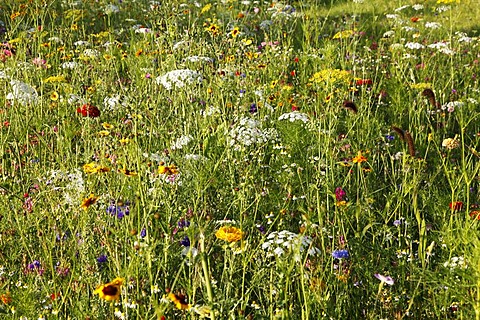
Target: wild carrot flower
point(229, 234)
point(110, 291)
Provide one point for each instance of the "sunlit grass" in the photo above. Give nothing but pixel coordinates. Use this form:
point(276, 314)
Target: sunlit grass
point(240, 159)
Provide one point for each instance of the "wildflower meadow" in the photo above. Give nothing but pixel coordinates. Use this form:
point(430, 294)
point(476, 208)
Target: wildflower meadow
point(239, 159)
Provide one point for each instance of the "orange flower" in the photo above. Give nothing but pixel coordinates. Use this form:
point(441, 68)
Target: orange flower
point(359, 158)
point(229, 234)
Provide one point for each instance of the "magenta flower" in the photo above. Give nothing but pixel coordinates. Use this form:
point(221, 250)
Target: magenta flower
point(340, 194)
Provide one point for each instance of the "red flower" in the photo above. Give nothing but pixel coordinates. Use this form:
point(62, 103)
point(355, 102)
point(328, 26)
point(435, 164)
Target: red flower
point(87, 110)
point(475, 214)
point(456, 206)
point(363, 82)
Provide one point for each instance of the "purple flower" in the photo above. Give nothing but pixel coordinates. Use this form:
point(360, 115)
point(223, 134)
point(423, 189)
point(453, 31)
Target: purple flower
point(143, 233)
point(396, 223)
point(389, 137)
point(385, 279)
point(340, 194)
point(119, 209)
point(183, 223)
point(253, 108)
point(185, 242)
point(34, 265)
point(102, 259)
point(341, 254)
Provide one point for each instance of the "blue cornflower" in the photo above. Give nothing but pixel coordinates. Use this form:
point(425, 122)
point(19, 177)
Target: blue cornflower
point(102, 258)
point(389, 137)
point(185, 242)
point(340, 254)
point(119, 209)
point(253, 108)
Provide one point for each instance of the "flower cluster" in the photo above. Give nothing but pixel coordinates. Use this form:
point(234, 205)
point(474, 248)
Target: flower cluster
point(249, 132)
point(179, 78)
point(294, 116)
point(281, 243)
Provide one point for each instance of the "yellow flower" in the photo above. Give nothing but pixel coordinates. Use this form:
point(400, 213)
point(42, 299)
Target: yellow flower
point(213, 29)
point(359, 158)
point(110, 291)
point(87, 202)
point(180, 301)
point(448, 1)
point(107, 126)
point(206, 8)
point(127, 172)
point(344, 34)
point(93, 167)
point(103, 133)
point(229, 234)
point(235, 32)
point(168, 170)
point(54, 96)
point(53, 79)
point(332, 76)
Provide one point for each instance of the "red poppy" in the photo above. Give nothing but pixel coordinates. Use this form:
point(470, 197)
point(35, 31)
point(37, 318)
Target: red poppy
point(456, 205)
point(87, 110)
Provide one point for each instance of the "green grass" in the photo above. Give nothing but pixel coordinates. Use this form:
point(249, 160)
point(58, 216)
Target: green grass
point(340, 139)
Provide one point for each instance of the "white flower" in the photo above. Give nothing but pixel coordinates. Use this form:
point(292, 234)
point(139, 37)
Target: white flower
point(81, 43)
point(279, 243)
point(294, 116)
point(199, 59)
point(179, 78)
point(417, 7)
point(22, 92)
point(143, 30)
point(401, 8)
point(432, 25)
point(450, 106)
point(111, 8)
point(249, 132)
point(443, 9)
point(181, 142)
point(114, 102)
point(414, 45)
point(91, 53)
point(69, 65)
point(389, 34)
point(392, 16)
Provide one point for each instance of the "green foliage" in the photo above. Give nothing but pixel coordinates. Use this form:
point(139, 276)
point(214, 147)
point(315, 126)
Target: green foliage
point(339, 138)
